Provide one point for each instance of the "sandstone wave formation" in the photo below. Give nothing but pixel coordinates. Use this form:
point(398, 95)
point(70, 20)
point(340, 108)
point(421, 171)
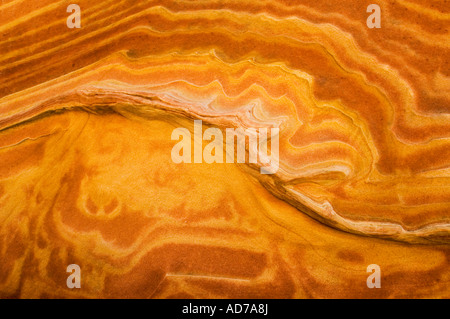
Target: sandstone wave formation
point(86, 176)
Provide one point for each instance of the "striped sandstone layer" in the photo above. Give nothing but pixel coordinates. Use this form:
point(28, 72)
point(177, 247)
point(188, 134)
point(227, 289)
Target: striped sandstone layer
point(86, 117)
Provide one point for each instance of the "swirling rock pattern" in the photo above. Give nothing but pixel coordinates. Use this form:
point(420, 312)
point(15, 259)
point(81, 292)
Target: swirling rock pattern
point(86, 117)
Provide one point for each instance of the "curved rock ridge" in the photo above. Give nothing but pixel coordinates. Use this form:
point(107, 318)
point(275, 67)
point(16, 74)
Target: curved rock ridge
point(329, 159)
point(86, 117)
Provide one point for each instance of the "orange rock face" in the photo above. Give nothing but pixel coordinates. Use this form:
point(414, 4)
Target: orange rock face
point(87, 178)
